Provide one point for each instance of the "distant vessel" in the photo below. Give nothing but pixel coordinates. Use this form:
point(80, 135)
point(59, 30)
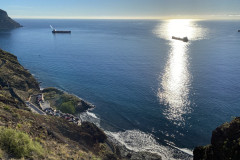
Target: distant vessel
point(238, 30)
point(55, 31)
point(184, 39)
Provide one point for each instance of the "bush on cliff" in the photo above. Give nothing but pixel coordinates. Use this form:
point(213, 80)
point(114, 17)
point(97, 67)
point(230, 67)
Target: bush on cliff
point(19, 144)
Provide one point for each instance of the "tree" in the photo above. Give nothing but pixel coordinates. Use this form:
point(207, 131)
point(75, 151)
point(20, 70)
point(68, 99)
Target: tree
point(68, 107)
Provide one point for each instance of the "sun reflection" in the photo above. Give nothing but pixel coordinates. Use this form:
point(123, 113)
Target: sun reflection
point(175, 82)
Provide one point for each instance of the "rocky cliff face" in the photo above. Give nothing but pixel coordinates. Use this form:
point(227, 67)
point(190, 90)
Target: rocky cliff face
point(6, 22)
point(225, 143)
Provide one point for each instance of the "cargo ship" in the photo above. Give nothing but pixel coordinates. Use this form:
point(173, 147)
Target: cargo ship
point(184, 39)
point(56, 31)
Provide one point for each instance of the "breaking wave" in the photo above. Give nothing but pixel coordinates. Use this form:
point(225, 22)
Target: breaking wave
point(139, 141)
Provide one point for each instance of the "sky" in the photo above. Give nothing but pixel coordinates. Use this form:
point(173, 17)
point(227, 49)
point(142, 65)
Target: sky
point(122, 9)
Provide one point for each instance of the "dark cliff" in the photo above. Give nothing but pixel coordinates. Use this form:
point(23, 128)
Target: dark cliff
point(225, 143)
point(6, 22)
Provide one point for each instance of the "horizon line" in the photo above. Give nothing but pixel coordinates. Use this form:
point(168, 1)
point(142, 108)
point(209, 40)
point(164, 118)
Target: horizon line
point(198, 17)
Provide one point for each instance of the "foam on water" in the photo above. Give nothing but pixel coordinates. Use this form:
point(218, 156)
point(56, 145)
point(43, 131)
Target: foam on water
point(90, 117)
point(139, 141)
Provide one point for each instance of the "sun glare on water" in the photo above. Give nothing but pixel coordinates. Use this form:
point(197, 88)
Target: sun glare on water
point(175, 81)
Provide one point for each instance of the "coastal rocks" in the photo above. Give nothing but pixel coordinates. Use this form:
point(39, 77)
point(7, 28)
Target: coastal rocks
point(225, 143)
point(128, 154)
point(92, 134)
point(132, 155)
point(6, 22)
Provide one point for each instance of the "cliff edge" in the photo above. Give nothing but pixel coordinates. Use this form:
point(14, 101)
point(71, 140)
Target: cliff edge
point(6, 22)
point(225, 143)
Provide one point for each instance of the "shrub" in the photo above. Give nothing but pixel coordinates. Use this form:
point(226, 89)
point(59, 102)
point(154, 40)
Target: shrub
point(19, 144)
point(68, 107)
point(7, 108)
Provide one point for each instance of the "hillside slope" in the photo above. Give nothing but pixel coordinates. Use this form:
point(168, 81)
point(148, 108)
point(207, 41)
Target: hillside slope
point(16, 83)
point(57, 138)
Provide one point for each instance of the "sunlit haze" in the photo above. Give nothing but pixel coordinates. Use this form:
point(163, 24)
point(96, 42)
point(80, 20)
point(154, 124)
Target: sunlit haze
point(124, 9)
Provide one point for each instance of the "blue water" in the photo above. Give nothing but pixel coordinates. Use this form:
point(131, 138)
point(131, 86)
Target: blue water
point(137, 76)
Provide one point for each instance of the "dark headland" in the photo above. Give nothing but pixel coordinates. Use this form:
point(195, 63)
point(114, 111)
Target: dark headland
point(6, 22)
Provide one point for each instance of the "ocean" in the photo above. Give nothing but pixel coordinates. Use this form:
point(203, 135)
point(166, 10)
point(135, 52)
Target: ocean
point(151, 93)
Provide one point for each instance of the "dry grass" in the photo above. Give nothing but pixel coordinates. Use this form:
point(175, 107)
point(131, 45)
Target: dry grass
point(47, 131)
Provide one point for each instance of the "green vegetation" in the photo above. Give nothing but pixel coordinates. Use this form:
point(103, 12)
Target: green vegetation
point(68, 107)
point(58, 137)
point(18, 143)
point(65, 102)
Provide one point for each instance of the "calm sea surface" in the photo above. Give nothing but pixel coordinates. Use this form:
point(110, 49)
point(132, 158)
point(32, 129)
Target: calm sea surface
point(151, 92)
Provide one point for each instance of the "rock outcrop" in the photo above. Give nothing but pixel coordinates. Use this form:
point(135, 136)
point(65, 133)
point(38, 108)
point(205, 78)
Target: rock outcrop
point(6, 22)
point(225, 143)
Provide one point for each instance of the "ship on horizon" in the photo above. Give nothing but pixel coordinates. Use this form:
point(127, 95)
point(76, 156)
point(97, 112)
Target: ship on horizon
point(55, 31)
point(184, 39)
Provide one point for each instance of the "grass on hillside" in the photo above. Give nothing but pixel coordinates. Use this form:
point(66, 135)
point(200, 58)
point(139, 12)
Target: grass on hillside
point(19, 144)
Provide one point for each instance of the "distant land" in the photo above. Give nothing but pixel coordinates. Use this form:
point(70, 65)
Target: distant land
point(6, 22)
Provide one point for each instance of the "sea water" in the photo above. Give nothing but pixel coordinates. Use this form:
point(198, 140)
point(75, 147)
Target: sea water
point(151, 93)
